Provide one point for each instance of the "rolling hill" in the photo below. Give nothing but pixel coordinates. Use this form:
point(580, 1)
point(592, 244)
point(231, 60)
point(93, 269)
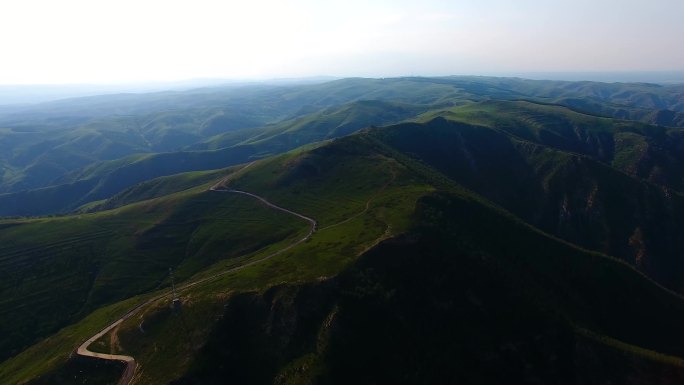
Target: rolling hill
point(474, 237)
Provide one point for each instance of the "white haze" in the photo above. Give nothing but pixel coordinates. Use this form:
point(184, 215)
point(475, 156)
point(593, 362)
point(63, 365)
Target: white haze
point(94, 41)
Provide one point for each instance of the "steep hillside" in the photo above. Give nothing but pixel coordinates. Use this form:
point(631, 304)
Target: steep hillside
point(574, 197)
point(451, 300)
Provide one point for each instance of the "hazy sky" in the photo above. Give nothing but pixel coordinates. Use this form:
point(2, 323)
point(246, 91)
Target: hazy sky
point(66, 41)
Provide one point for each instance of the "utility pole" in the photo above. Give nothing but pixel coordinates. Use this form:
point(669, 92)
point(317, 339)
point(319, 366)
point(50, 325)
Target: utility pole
point(175, 300)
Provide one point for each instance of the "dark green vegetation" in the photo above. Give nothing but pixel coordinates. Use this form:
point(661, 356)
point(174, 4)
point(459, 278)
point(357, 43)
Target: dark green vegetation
point(568, 194)
point(83, 370)
point(491, 231)
point(652, 153)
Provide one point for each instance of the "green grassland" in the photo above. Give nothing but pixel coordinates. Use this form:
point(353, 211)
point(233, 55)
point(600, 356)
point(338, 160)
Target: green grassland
point(495, 240)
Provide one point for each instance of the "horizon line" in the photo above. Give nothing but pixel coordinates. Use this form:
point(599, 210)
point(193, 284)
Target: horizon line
point(533, 75)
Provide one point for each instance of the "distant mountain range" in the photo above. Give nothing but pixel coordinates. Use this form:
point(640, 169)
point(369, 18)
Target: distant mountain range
point(67, 148)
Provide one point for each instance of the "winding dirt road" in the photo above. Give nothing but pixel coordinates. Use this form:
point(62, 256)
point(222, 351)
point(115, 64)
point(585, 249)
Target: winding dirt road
point(131, 365)
point(127, 375)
